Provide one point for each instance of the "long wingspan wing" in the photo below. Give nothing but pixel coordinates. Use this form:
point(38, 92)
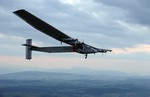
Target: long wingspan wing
point(44, 27)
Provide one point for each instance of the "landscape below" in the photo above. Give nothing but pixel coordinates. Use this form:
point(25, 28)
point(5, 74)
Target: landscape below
point(54, 84)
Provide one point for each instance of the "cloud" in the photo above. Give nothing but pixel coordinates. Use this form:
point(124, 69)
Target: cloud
point(72, 2)
point(11, 44)
point(105, 21)
point(136, 11)
point(77, 17)
point(140, 48)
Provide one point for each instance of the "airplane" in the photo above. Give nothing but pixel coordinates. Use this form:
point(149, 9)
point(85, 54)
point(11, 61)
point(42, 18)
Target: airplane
point(75, 45)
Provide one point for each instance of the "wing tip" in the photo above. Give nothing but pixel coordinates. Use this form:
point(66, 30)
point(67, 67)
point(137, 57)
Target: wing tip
point(18, 11)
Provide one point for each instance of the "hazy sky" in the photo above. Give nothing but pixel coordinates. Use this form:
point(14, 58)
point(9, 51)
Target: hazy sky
point(120, 25)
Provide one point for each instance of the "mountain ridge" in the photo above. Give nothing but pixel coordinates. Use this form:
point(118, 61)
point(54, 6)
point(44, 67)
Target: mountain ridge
point(41, 75)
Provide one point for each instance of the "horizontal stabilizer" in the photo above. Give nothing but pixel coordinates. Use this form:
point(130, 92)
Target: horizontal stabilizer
point(31, 46)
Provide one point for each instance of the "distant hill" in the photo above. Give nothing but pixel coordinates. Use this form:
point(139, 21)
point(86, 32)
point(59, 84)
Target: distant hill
point(38, 75)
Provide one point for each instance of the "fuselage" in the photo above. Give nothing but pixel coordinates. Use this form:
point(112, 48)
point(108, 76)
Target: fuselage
point(85, 49)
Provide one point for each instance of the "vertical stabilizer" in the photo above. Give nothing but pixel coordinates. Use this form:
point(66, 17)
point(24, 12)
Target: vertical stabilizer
point(28, 49)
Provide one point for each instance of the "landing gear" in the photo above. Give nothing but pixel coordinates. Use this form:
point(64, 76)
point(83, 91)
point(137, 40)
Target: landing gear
point(86, 56)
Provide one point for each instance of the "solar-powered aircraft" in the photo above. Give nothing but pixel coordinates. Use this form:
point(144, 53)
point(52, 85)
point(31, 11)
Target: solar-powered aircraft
point(75, 45)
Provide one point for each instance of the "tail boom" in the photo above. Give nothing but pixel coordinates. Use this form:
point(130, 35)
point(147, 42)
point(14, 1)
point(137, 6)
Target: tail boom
point(57, 49)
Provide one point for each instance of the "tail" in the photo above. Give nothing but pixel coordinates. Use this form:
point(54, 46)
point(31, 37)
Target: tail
point(29, 48)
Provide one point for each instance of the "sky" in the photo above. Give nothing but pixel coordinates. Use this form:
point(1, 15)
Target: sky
point(120, 25)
